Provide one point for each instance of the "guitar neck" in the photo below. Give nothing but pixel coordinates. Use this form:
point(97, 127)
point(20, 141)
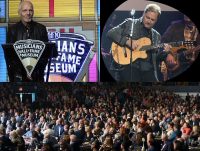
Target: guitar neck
point(193, 50)
point(173, 44)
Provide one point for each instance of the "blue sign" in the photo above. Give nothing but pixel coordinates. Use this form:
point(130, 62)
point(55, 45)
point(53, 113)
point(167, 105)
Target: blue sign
point(3, 69)
point(73, 51)
point(2, 9)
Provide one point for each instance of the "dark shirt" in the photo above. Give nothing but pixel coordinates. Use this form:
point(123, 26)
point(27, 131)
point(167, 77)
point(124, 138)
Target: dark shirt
point(6, 144)
point(19, 31)
point(75, 146)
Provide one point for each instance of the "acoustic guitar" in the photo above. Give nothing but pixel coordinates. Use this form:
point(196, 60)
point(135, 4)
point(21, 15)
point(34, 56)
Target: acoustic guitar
point(122, 55)
point(190, 55)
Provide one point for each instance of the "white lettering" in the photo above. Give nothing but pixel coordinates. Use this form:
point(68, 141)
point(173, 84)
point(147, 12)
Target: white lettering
point(71, 58)
point(58, 69)
point(72, 68)
point(81, 47)
point(58, 42)
point(78, 59)
point(64, 46)
point(63, 58)
point(72, 47)
point(62, 68)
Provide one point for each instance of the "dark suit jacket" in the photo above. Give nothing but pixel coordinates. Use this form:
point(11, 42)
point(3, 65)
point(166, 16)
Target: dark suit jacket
point(56, 130)
point(17, 32)
point(167, 146)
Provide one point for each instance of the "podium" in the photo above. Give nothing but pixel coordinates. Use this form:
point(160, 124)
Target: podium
point(49, 52)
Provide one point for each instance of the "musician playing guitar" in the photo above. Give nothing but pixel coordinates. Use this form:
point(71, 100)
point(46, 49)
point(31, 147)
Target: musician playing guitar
point(143, 68)
point(182, 30)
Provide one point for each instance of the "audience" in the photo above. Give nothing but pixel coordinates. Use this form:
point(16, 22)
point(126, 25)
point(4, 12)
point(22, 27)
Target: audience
point(99, 117)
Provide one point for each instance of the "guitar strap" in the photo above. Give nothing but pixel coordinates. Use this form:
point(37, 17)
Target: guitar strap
point(154, 55)
point(155, 40)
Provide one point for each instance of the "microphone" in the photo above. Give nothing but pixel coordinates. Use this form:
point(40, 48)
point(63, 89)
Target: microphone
point(132, 12)
point(131, 35)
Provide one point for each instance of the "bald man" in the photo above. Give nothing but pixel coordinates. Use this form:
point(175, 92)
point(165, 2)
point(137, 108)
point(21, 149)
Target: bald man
point(26, 28)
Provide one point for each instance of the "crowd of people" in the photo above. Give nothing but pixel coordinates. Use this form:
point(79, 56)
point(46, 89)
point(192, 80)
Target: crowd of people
point(99, 117)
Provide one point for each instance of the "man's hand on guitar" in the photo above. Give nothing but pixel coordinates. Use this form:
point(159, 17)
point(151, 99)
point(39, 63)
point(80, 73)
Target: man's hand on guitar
point(134, 43)
point(167, 47)
point(170, 59)
point(191, 54)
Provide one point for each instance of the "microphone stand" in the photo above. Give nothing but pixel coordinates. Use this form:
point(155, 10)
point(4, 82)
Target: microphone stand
point(131, 34)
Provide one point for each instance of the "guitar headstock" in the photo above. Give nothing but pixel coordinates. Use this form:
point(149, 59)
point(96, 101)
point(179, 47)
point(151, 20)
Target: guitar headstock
point(190, 44)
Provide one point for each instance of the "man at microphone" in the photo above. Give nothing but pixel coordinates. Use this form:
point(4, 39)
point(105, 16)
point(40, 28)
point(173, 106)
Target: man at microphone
point(26, 28)
point(126, 35)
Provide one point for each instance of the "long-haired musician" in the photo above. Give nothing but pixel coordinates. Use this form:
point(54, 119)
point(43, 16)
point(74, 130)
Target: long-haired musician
point(182, 30)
